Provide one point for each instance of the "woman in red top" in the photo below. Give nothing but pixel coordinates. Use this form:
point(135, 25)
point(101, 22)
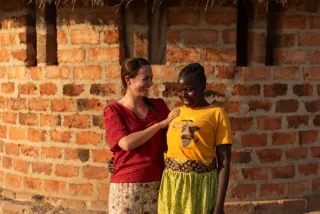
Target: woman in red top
point(135, 133)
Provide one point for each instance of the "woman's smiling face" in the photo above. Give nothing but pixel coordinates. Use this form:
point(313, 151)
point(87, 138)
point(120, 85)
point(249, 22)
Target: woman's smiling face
point(190, 91)
point(140, 84)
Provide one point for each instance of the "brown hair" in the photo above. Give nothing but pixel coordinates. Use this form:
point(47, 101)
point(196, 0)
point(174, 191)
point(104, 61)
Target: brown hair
point(130, 68)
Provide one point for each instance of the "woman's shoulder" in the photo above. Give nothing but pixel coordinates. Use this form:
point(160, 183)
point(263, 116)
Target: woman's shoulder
point(112, 108)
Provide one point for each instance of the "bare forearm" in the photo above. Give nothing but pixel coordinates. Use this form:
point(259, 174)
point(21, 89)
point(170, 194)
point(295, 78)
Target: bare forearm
point(139, 138)
point(223, 179)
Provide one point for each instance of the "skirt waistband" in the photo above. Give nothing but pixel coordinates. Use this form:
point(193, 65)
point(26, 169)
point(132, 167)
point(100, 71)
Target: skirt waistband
point(189, 165)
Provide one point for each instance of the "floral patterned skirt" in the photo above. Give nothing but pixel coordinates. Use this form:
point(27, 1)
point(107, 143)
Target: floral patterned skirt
point(187, 188)
point(134, 198)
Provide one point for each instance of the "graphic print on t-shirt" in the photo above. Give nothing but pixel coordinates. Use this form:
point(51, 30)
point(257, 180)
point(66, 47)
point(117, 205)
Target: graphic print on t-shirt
point(187, 132)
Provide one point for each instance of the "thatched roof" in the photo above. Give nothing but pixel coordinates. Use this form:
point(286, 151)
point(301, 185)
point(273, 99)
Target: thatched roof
point(97, 3)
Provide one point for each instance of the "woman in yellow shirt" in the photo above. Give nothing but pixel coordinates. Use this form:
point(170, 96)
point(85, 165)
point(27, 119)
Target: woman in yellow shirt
point(197, 161)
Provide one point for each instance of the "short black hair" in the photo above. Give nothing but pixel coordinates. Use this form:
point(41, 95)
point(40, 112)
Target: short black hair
point(197, 71)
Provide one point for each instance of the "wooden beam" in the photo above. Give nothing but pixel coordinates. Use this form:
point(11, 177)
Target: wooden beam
point(126, 32)
point(242, 33)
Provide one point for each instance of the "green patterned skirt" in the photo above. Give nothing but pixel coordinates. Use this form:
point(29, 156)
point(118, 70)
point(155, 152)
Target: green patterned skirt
point(187, 191)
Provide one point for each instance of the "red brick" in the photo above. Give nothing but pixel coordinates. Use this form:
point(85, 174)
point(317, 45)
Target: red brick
point(20, 55)
point(98, 121)
point(272, 190)
point(306, 137)
point(202, 37)
point(13, 180)
point(17, 103)
point(284, 138)
point(312, 106)
point(84, 36)
point(3, 72)
point(290, 57)
point(4, 55)
point(97, 173)
point(99, 205)
point(29, 150)
point(55, 72)
point(308, 169)
point(255, 105)
point(51, 152)
point(7, 39)
point(303, 90)
point(285, 40)
point(221, 18)
point(246, 90)
point(20, 165)
point(17, 72)
point(9, 117)
point(71, 55)
point(173, 36)
point(318, 89)
point(233, 174)
point(313, 203)
point(111, 37)
point(315, 152)
point(298, 187)
point(52, 186)
point(311, 73)
point(61, 38)
point(35, 73)
point(241, 124)
point(28, 88)
point(254, 140)
point(269, 155)
point(314, 22)
point(107, 89)
point(269, 123)
point(12, 149)
point(229, 36)
point(71, 154)
point(294, 21)
point(38, 104)
point(287, 106)
point(316, 185)
point(87, 73)
point(3, 131)
point(16, 133)
point(309, 39)
point(104, 190)
point(104, 54)
point(88, 138)
point(36, 135)
point(255, 173)
point(60, 136)
point(220, 87)
point(256, 47)
point(6, 163)
point(76, 121)
point(76, 204)
point(42, 168)
point(66, 171)
point(288, 73)
point(241, 156)
point(62, 105)
point(113, 71)
point(232, 106)
point(220, 55)
point(48, 89)
point(307, 6)
point(274, 90)
point(101, 155)
point(183, 55)
point(73, 90)
point(50, 120)
point(183, 18)
point(242, 191)
point(226, 72)
point(7, 88)
point(32, 183)
point(297, 121)
point(27, 119)
point(253, 74)
point(81, 189)
point(283, 172)
point(89, 105)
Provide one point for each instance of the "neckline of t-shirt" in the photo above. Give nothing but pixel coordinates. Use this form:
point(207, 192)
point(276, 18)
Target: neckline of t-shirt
point(132, 112)
point(200, 108)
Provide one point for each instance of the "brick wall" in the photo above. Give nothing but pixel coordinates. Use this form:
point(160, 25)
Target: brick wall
point(52, 138)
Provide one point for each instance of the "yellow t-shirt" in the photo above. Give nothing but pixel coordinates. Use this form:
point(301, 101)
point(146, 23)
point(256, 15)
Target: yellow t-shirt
point(195, 133)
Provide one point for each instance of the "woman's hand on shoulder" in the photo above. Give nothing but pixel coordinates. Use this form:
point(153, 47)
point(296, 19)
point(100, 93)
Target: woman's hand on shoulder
point(173, 114)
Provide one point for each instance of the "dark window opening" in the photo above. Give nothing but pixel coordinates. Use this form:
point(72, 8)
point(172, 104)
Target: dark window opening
point(51, 33)
point(242, 32)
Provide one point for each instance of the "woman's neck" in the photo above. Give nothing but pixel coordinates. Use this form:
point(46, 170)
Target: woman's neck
point(132, 101)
